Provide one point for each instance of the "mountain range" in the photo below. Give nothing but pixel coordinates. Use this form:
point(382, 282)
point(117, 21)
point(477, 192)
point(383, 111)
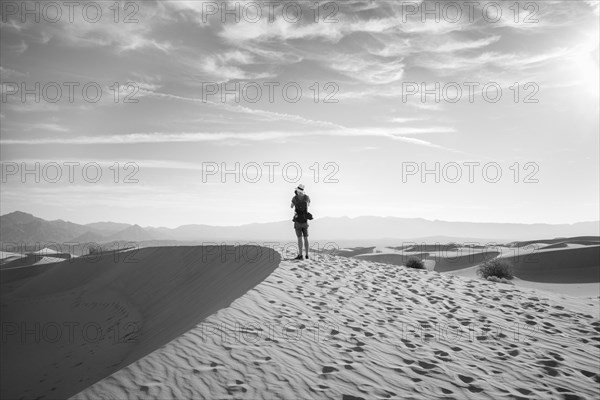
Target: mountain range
point(21, 227)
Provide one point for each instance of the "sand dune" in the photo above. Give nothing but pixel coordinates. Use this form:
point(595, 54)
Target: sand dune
point(14, 277)
point(48, 260)
point(355, 251)
point(436, 247)
point(581, 240)
point(22, 260)
point(337, 327)
point(556, 246)
point(568, 266)
point(7, 257)
point(462, 260)
point(7, 254)
point(67, 325)
point(391, 258)
point(397, 259)
point(450, 259)
point(46, 251)
point(562, 265)
point(586, 289)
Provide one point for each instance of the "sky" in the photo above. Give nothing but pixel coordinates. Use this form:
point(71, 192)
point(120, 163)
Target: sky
point(190, 112)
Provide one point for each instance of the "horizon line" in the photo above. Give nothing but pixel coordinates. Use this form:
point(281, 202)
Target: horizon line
point(339, 217)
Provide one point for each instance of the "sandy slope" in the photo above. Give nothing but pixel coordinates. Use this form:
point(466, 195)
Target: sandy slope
point(586, 289)
point(443, 258)
point(8, 254)
point(559, 265)
point(69, 324)
point(338, 326)
point(46, 251)
point(8, 257)
point(397, 259)
point(24, 260)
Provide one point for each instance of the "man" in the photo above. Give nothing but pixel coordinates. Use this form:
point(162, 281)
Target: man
point(300, 202)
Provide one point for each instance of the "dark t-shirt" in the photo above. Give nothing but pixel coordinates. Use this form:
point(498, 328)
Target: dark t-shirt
point(295, 202)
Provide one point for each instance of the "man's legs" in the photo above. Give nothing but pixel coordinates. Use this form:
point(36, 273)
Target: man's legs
point(300, 245)
point(305, 245)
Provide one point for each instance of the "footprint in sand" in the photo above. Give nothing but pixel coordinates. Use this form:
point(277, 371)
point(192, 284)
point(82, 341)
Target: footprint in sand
point(465, 379)
point(548, 363)
point(350, 397)
point(329, 369)
point(426, 365)
point(238, 386)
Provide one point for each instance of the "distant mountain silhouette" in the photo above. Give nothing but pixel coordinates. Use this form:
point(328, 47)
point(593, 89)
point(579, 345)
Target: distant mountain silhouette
point(107, 227)
point(134, 233)
point(22, 227)
point(90, 237)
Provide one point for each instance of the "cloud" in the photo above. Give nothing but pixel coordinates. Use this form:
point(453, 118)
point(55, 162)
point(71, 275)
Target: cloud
point(80, 31)
point(7, 73)
point(108, 163)
point(236, 108)
point(595, 5)
point(200, 11)
point(453, 46)
point(371, 70)
point(230, 65)
point(49, 127)
point(11, 24)
point(448, 64)
point(403, 120)
point(399, 133)
point(280, 29)
point(18, 48)
point(386, 17)
point(125, 37)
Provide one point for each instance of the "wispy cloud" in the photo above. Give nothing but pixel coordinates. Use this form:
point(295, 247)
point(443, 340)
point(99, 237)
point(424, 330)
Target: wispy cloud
point(398, 46)
point(49, 127)
point(279, 29)
point(18, 48)
point(404, 120)
point(346, 24)
point(7, 73)
point(254, 112)
point(231, 65)
point(80, 32)
point(595, 5)
point(108, 163)
point(370, 70)
point(397, 133)
point(448, 64)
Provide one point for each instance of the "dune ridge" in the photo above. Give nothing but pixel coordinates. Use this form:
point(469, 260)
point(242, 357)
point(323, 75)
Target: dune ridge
point(67, 325)
point(338, 327)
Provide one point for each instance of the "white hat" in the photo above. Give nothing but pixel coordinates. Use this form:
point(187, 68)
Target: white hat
point(300, 189)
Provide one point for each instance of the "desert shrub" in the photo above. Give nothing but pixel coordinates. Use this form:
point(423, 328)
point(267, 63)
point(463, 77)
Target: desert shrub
point(497, 268)
point(415, 263)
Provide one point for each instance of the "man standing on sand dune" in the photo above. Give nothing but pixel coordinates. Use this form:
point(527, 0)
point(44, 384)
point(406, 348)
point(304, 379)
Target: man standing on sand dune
point(300, 202)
